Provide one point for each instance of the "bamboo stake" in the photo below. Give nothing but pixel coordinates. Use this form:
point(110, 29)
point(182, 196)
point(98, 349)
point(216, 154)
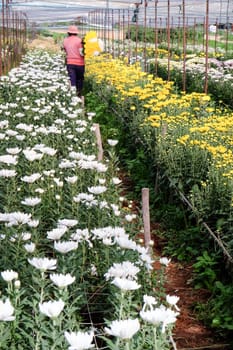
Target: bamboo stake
point(99, 142)
point(146, 216)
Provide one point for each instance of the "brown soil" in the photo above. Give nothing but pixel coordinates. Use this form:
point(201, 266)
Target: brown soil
point(189, 332)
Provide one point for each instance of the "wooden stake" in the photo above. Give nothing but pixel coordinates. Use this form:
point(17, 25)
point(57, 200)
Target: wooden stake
point(99, 141)
point(83, 100)
point(146, 215)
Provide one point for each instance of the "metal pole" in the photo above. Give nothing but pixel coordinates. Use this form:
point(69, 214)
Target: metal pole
point(168, 39)
point(184, 46)
point(206, 46)
point(144, 34)
point(156, 37)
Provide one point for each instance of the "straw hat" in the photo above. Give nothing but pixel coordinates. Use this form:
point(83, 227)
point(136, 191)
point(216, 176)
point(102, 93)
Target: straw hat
point(72, 30)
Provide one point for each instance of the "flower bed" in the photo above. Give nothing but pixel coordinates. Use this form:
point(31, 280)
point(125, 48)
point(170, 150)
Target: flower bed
point(188, 136)
point(73, 274)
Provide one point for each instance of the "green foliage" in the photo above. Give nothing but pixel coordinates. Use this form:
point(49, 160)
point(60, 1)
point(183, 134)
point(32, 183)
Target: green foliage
point(46, 33)
point(211, 274)
point(205, 271)
point(140, 33)
point(217, 312)
point(184, 240)
point(58, 37)
point(103, 115)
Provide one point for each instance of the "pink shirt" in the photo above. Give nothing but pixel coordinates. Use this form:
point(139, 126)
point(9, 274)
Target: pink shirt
point(73, 48)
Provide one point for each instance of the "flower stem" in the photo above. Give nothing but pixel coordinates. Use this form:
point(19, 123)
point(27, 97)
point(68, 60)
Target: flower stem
point(155, 339)
point(127, 345)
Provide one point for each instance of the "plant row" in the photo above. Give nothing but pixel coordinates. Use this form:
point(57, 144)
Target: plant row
point(182, 142)
point(74, 273)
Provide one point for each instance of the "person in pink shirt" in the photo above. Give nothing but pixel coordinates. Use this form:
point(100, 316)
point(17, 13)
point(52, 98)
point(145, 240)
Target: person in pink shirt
point(75, 62)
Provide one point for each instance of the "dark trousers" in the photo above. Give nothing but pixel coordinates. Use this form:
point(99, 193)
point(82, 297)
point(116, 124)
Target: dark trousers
point(76, 75)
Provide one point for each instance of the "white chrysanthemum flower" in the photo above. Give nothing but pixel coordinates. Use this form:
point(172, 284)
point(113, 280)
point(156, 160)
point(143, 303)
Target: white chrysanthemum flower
point(103, 204)
point(91, 114)
point(102, 181)
point(4, 124)
point(160, 315)
point(17, 284)
point(33, 223)
point(49, 151)
point(61, 280)
point(116, 181)
point(80, 340)
point(109, 231)
point(80, 130)
point(58, 182)
point(173, 300)
point(126, 269)
point(94, 165)
point(82, 236)
point(13, 151)
point(67, 164)
point(52, 309)
point(9, 159)
point(112, 142)
point(94, 271)
point(32, 155)
point(108, 241)
point(49, 172)
point(6, 310)
point(124, 329)
point(20, 137)
point(7, 173)
point(31, 201)
point(130, 217)
point(30, 247)
point(125, 284)
point(149, 301)
point(67, 222)
point(83, 197)
point(24, 127)
point(101, 168)
point(57, 233)
point(15, 218)
point(43, 264)
point(78, 156)
point(65, 247)
point(97, 189)
point(25, 236)
point(39, 190)
point(32, 178)
point(164, 261)
point(125, 242)
point(145, 257)
point(9, 275)
point(71, 179)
